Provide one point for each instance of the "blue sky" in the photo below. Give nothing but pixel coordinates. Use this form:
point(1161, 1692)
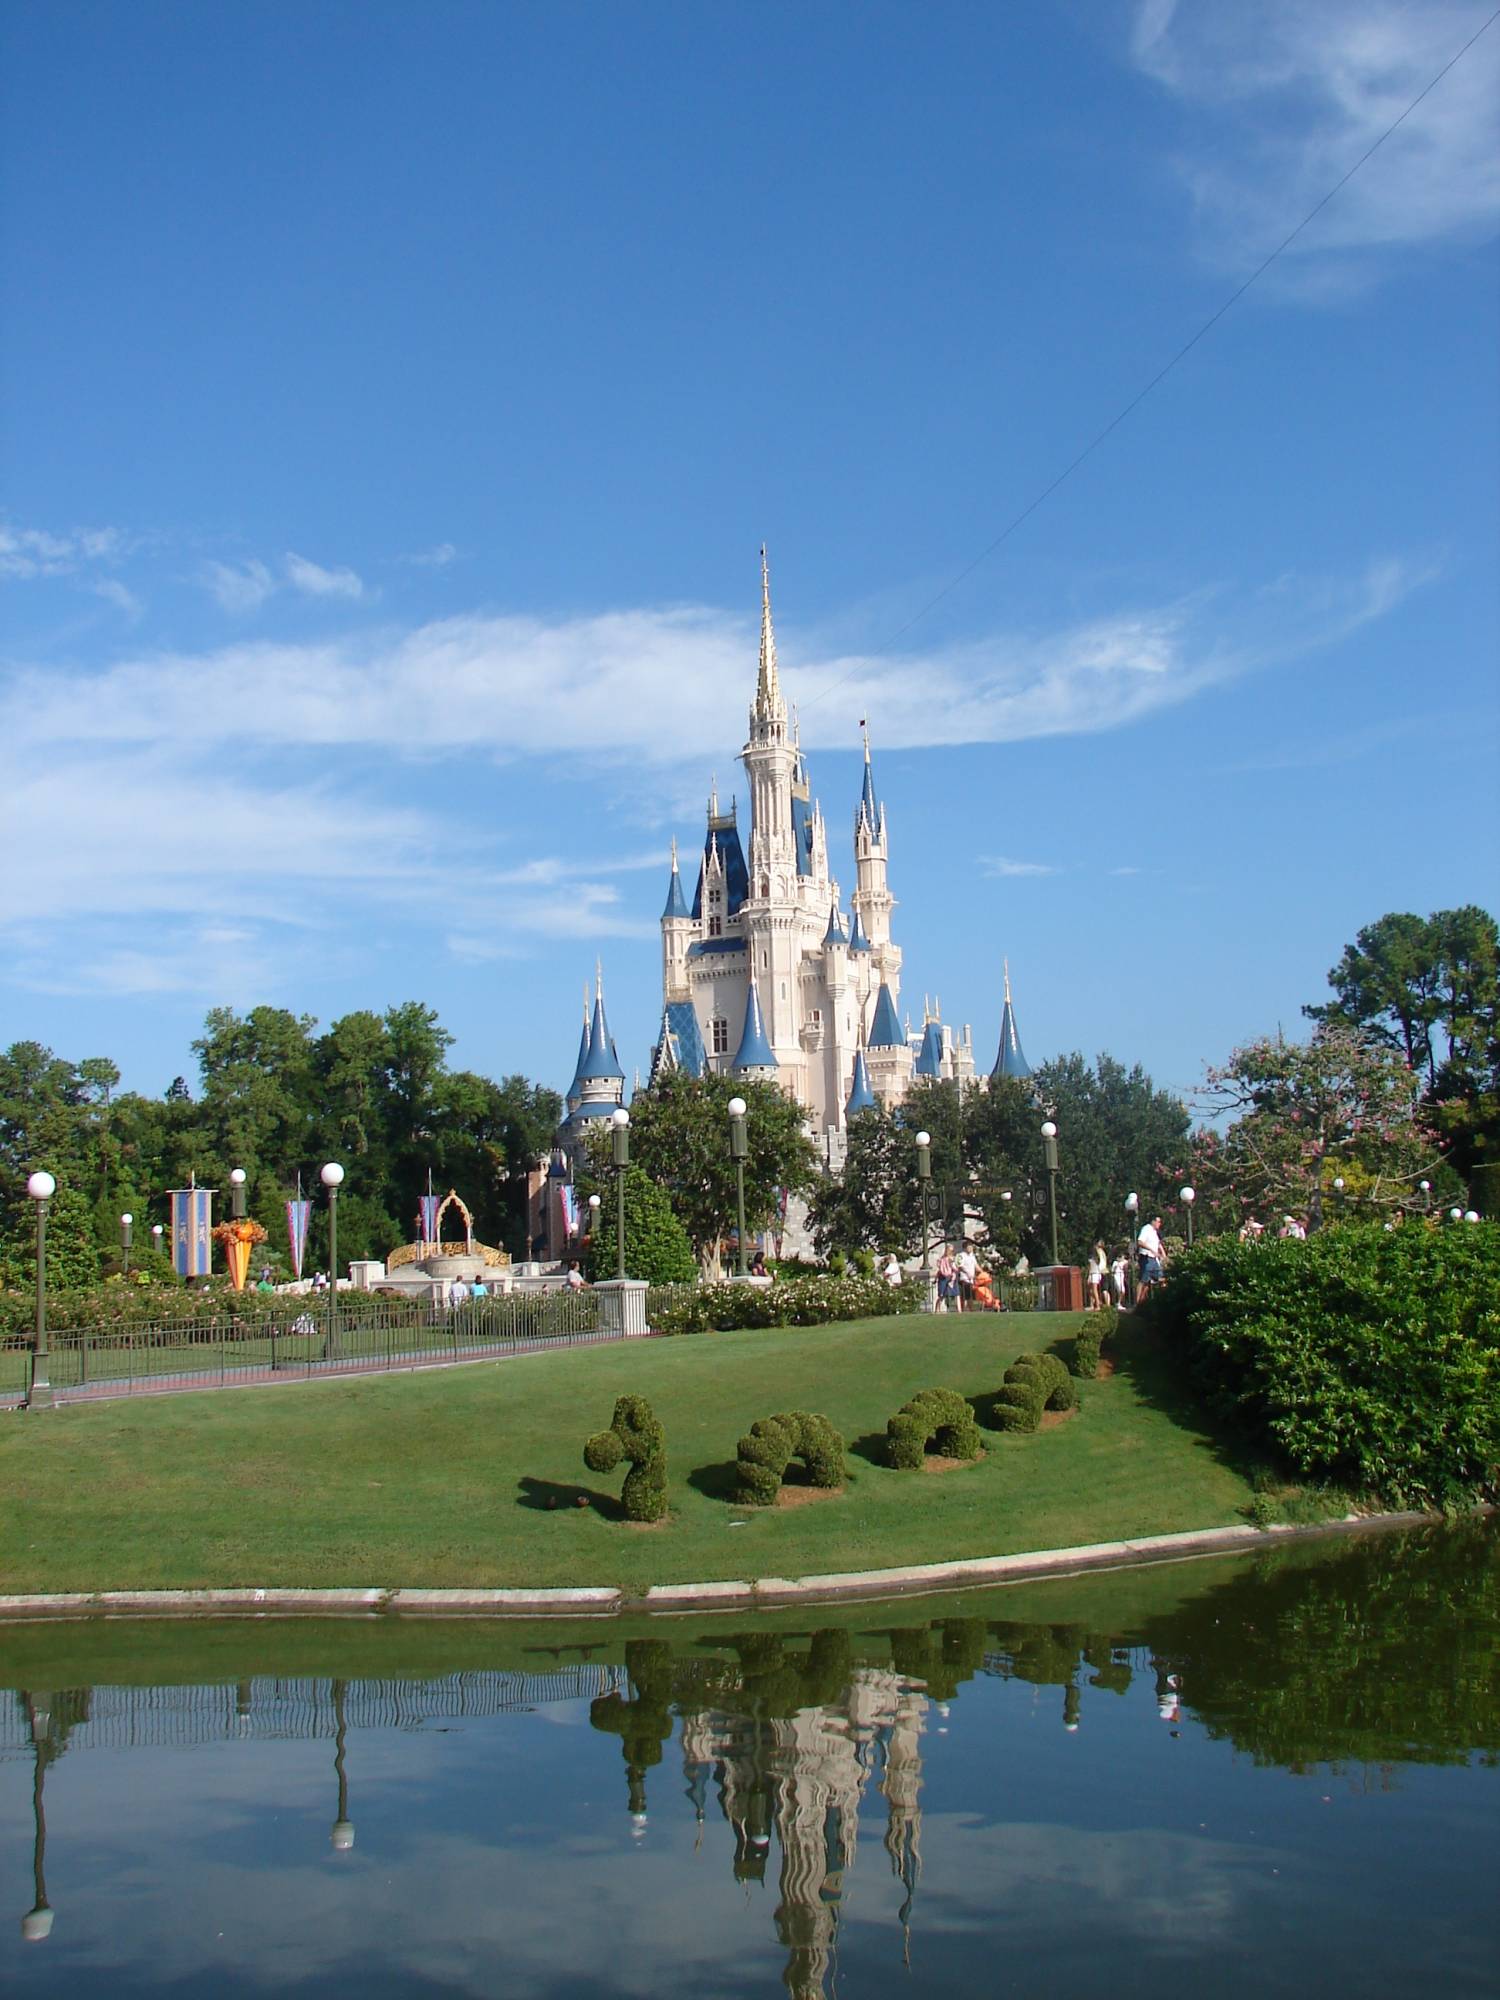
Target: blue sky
point(395, 400)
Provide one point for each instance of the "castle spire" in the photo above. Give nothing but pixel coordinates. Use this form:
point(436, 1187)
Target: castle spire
point(770, 705)
point(1009, 1059)
point(676, 905)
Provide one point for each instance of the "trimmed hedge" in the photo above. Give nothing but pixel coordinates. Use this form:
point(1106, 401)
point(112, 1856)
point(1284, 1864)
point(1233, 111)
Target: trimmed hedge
point(1033, 1383)
point(808, 1302)
point(770, 1445)
point(1090, 1338)
point(635, 1432)
point(936, 1419)
point(1365, 1357)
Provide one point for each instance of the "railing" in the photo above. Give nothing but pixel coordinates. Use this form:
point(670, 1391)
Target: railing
point(303, 1341)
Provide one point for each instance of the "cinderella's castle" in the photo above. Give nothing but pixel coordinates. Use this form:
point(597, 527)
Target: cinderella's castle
point(764, 971)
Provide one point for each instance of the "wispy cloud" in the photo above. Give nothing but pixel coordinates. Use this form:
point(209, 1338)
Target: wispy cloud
point(314, 581)
point(1001, 864)
point(166, 776)
point(30, 553)
point(1292, 95)
point(239, 587)
point(437, 557)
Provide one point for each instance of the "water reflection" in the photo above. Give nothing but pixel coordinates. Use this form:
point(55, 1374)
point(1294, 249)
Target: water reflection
point(1375, 1656)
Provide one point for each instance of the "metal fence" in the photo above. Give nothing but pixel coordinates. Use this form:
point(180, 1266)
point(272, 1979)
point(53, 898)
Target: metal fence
point(305, 1341)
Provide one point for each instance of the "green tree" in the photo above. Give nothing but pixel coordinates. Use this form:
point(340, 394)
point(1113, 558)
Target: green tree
point(680, 1136)
point(657, 1247)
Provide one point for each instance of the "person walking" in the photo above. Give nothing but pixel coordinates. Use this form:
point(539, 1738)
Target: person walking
point(1119, 1271)
point(1150, 1257)
point(947, 1281)
point(1098, 1272)
point(968, 1271)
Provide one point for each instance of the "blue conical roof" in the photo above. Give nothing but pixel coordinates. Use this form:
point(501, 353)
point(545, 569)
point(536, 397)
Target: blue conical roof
point(869, 805)
point(885, 1033)
point(835, 931)
point(861, 1097)
point(930, 1057)
point(755, 1050)
point(857, 939)
point(676, 901)
point(583, 1055)
point(1010, 1061)
point(601, 1060)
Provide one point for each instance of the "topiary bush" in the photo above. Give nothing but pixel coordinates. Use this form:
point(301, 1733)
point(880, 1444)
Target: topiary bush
point(770, 1445)
point(1049, 1375)
point(1018, 1407)
point(1089, 1339)
point(1365, 1357)
point(635, 1433)
point(935, 1419)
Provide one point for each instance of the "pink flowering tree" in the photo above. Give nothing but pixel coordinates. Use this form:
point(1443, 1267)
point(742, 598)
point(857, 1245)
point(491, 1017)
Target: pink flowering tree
point(1301, 1114)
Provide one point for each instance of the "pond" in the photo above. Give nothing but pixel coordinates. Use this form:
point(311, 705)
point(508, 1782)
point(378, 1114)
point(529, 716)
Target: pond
point(1273, 1775)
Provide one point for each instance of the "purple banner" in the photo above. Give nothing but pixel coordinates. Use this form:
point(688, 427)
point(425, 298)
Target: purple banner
point(427, 1214)
point(569, 1198)
point(192, 1221)
point(298, 1215)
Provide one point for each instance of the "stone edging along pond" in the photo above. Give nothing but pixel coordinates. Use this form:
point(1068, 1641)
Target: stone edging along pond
point(603, 1601)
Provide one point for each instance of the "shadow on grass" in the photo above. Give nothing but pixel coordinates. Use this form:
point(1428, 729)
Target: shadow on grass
point(872, 1448)
point(1142, 1356)
point(556, 1496)
point(716, 1482)
point(985, 1404)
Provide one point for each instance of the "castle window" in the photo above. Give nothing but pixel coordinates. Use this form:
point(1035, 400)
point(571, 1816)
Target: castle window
point(816, 1017)
point(719, 1031)
point(716, 926)
point(715, 897)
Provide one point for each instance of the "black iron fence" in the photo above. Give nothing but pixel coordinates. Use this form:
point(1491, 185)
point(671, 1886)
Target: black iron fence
point(308, 1338)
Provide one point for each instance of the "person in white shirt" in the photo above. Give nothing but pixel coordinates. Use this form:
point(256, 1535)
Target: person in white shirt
point(1150, 1257)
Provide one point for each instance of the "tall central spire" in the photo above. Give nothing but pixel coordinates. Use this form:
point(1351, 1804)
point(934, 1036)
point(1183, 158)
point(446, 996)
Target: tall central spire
point(769, 702)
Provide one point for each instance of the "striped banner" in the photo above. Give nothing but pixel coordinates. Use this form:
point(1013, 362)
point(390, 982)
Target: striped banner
point(192, 1221)
point(427, 1213)
point(569, 1198)
point(298, 1215)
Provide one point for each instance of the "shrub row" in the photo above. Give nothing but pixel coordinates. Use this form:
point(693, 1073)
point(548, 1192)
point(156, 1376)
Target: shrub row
point(809, 1302)
point(1363, 1356)
point(1088, 1340)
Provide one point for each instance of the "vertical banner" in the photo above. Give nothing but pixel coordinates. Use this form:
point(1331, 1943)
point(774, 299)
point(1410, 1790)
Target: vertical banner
point(192, 1218)
point(298, 1215)
point(427, 1213)
point(567, 1194)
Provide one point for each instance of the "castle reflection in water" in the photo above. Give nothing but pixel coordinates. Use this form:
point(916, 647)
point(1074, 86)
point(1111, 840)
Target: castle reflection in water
point(792, 1740)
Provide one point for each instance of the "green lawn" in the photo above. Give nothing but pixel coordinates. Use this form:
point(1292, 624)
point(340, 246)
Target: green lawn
point(444, 1478)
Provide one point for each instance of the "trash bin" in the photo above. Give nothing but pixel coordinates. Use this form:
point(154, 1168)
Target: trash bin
point(1059, 1288)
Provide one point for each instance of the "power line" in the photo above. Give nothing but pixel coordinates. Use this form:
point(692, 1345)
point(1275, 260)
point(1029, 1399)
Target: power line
point(1163, 372)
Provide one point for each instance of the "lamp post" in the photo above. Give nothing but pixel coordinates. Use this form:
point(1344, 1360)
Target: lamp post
point(1455, 1215)
point(738, 1146)
point(594, 1206)
point(342, 1835)
point(924, 1179)
point(126, 1221)
point(1132, 1212)
point(620, 1120)
point(1424, 1188)
point(237, 1194)
point(1471, 1215)
point(37, 1922)
point(332, 1178)
point(1338, 1188)
point(157, 1233)
point(1049, 1153)
point(41, 1187)
point(1189, 1196)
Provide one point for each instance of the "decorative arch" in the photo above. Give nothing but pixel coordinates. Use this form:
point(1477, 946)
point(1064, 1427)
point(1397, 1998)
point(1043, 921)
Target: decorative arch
point(452, 1199)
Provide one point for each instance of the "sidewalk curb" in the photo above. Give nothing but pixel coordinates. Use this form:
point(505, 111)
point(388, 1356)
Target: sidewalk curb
point(915, 1579)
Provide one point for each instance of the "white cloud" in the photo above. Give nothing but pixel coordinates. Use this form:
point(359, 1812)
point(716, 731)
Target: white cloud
point(244, 782)
point(1292, 95)
point(114, 592)
point(437, 557)
point(1001, 864)
point(28, 553)
point(315, 581)
point(239, 587)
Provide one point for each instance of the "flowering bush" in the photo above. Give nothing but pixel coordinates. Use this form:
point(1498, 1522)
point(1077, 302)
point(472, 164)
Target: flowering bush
point(810, 1302)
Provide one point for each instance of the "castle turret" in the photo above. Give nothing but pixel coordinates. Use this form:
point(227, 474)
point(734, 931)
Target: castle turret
point(1009, 1060)
point(888, 1051)
point(861, 1097)
point(872, 898)
point(677, 934)
point(929, 1062)
point(755, 1057)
